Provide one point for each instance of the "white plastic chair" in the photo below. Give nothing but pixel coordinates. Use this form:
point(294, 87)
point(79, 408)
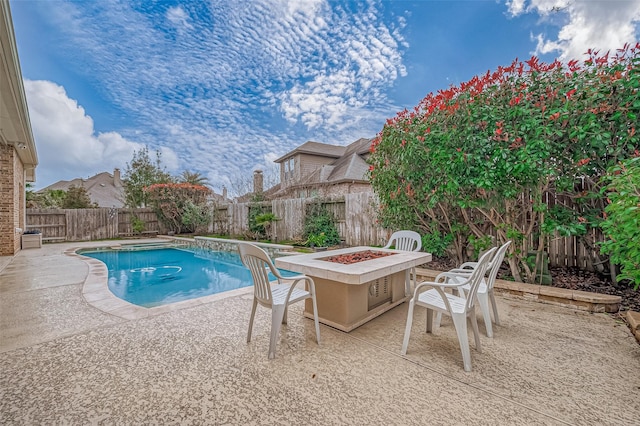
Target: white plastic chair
point(277, 295)
point(406, 241)
point(485, 291)
point(459, 308)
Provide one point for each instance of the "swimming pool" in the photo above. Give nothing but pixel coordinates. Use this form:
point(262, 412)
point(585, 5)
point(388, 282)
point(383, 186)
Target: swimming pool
point(161, 276)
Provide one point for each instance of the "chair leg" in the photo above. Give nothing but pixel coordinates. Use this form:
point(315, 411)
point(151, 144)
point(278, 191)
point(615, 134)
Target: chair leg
point(277, 312)
point(315, 317)
point(460, 323)
point(430, 320)
point(495, 308)
point(476, 332)
point(483, 301)
point(284, 317)
point(253, 314)
point(407, 282)
point(407, 328)
point(438, 319)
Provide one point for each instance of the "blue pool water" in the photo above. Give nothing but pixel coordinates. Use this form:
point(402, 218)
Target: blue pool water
point(161, 276)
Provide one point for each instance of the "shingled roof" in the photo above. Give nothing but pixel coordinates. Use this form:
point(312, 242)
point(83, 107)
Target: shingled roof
point(104, 189)
point(351, 166)
point(315, 148)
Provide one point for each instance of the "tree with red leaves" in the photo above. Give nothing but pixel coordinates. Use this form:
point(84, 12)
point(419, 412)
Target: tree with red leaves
point(479, 158)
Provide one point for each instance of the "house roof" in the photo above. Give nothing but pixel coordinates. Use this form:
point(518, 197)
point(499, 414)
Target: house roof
point(104, 189)
point(315, 148)
point(15, 125)
point(350, 167)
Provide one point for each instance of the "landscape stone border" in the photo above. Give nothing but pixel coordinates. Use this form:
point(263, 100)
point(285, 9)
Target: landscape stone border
point(576, 299)
point(634, 323)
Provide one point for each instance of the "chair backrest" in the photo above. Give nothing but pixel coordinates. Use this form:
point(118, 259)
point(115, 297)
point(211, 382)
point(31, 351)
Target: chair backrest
point(476, 277)
point(259, 264)
point(495, 264)
point(405, 241)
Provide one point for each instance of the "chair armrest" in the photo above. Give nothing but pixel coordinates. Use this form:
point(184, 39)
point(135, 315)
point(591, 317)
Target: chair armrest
point(293, 281)
point(443, 276)
point(435, 284)
point(439, 287)
point(470, 265)
point(294, 278)
point(459, 271)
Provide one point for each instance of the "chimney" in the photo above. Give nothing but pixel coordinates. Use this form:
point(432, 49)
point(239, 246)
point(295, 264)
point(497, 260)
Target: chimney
point(257, 182)
point(224, 193)
point(116, 177)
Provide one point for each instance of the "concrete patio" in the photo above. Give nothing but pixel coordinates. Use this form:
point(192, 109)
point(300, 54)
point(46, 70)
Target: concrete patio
point(64, 361)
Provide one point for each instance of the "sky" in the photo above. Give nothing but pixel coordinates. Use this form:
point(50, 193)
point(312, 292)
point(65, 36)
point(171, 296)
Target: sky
point(224, 87)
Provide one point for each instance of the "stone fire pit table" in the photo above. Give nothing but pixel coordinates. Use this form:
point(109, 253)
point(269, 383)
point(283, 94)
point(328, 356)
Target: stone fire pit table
point(349, 295)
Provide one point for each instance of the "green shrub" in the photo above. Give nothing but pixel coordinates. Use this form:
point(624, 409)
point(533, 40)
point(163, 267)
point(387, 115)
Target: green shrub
point(436, 243)
point(265, 221)
point(195, 216)
point(319, 220)
point(256, 228)
point(622, 222)
point(172, 201)
point(317, 240)
point(137, 225)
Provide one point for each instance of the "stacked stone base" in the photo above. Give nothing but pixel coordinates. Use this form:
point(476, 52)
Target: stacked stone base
point(634, 323)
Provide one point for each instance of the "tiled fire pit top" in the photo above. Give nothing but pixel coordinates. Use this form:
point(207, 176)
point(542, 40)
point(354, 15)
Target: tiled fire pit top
point(316, 265)
point(361, 256)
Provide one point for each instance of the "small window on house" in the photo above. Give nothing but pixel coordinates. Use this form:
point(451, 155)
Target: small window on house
point(291, 168)
point(288, 169)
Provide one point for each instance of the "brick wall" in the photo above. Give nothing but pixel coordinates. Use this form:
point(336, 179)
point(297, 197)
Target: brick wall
point(11, 200)
point(19, 201)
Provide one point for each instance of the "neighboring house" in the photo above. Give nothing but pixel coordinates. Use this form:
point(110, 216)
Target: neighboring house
point(18, 157)
point(219, 198)
point(104, 189)
point(107, 190)
point(322, 170)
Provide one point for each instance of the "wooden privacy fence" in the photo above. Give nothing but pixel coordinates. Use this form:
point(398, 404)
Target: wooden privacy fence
point(582, 252)
point(89, 224)
point(354, 213)
point(151, 224)
point(356, 221)
point(355, 216)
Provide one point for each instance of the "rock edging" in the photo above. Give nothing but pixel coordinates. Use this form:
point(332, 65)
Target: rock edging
point(576, 299)
point(634, 323)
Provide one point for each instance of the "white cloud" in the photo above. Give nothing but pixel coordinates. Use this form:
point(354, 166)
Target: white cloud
point(516, 7)
point(243, 78)
point(600, 25)
point(179, 18)
point(68, 146)
point(364, 55)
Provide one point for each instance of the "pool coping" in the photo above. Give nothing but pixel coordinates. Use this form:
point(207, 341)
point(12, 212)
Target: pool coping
point(95, 291)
